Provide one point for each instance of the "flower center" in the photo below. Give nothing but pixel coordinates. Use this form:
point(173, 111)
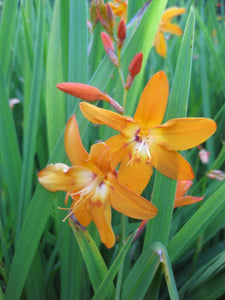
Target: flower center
point(141, 150)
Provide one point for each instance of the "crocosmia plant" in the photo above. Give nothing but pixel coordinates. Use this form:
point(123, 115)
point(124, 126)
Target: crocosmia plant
point(112, 150)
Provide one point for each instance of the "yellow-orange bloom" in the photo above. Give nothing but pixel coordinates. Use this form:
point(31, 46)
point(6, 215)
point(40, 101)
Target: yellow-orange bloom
point(143, 142)
point(93, 185)
point(119, 8)
point(166, 26)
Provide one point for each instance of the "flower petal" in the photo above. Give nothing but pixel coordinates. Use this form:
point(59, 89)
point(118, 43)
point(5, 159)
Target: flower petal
point(160, 44)
point(119, 147)
point(55, 178)
point(100, 156)
point(80, 212)
point(186, 200)
point(170, 163)
point(171, 13)
point(182, 187)
point(136, 176)
point(184, 133)
point(101, 216)
point(73, 145)
point(171, 28)
point(98, 115)
point(153, 101)
point(128, 202)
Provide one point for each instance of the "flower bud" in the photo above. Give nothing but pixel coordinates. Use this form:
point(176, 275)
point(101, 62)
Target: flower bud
point(121, 33)
point(109, 49)
point(135, 65)
point(109, 14)
point(88, 92)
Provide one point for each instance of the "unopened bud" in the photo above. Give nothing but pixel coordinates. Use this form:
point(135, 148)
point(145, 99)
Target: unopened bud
point(216, 174)
point(121, 33)
point(109, 49)
point(104, 17)
point(135, 65)
point(109, 14)
point(88, 92)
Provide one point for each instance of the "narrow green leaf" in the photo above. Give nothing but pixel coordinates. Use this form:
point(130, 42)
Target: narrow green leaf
point(9, 148)
point(55, 110)
point(143, 271)
point(105, 286)
point(195, 226)
point(32, 124)
point(93, 259)
point(7, 33)
point(164, 188)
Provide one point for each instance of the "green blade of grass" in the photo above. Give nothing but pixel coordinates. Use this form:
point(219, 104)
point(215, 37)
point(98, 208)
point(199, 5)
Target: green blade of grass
point(7, 33)
point(93, 259)
point(143, 271)
point(9, 148)
point(32, 123)
point(197, 223)
point(164, 188)
point(105, 285)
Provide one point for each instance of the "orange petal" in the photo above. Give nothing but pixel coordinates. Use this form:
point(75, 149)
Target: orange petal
point(80, 212)
point(101, 216)
point(186, 200)
point(135, 176)
point(182, 187)
point(73, 145)
point(184, 133)
point(98, 115)
point(160, 44)
point(119, 147)
point(101, 157)
point(172, 12)
point(153, 101)
point(170, 163)
point(171, 28)
point(82, 91)
point(55, 178)
point(128, 202)
point(82, 178)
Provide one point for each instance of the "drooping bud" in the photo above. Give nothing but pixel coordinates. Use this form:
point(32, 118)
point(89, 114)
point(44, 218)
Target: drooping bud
point(87, 92)
point(216, 174)
point(135, 65)
point(109, 49)
point(121, 33)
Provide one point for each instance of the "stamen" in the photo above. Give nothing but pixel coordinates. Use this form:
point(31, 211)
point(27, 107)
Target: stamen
point(69, 214)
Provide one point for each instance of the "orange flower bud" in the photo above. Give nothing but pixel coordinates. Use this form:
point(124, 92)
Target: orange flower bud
point(87, 92)
point(135, 65)
point(109, 49)
point(121, 33)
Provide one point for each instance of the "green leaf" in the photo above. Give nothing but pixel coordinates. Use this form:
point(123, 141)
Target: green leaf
point(93, 259)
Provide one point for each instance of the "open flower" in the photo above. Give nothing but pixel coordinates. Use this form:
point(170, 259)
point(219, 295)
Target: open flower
point(166, 26)
point(93, 186)
point(143, 142)
point(119, 8)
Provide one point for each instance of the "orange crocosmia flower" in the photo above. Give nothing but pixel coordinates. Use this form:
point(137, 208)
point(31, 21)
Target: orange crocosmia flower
point(180, 198)
point(119, 8)
point(144, 142)
point(166, 26)
point(93, 185)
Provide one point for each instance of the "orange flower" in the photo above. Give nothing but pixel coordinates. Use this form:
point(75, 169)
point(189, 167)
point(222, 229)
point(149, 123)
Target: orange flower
point(119, 8)
point(93, 186)
point(166, 26)
point(143, 142)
